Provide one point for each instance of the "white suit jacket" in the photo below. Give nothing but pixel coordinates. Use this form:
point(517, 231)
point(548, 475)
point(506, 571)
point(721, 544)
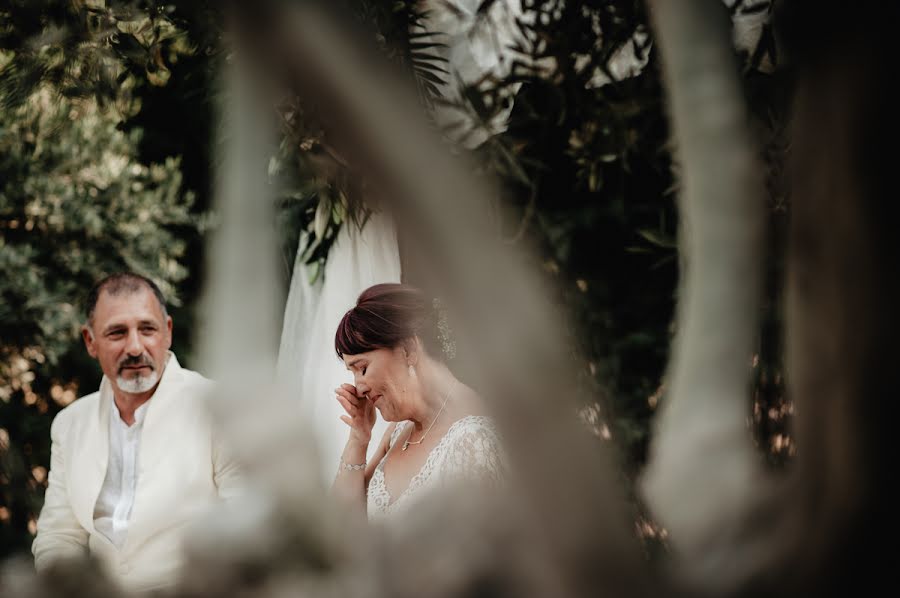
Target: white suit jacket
point(182, 469)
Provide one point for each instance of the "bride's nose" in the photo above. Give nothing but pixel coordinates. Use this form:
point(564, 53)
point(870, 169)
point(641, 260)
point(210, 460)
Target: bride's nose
point(362, 389)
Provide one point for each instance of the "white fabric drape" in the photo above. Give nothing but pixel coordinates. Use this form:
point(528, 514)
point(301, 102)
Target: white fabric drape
point(307, 363)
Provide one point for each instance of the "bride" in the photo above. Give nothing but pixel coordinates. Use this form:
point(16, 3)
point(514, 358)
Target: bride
point(395, 343)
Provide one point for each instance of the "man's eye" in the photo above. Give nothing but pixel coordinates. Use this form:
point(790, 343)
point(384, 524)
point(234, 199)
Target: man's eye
point(363, 370)
point(116, 333)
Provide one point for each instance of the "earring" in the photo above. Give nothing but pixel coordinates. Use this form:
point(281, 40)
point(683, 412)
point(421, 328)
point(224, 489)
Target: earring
point(412, 371)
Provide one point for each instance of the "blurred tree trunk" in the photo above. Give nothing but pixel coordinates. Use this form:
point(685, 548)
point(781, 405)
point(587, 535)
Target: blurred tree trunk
point(844, 290)
point(703, 480)
point(842, 318)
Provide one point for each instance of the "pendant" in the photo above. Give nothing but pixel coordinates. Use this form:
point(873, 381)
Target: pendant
point(405, 445)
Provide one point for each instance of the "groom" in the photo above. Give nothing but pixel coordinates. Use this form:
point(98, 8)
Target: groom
point(135, 462)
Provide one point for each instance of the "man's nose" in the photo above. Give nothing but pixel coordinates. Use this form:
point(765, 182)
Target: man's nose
point(134, 346)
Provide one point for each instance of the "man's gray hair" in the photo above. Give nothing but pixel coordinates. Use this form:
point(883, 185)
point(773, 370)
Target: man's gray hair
point(121, 283)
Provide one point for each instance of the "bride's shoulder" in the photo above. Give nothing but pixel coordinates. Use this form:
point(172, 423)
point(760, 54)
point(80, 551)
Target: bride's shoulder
point(475, 425)
point(474, 449)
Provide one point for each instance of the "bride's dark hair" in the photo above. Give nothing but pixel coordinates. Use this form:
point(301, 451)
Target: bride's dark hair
point(385, 315)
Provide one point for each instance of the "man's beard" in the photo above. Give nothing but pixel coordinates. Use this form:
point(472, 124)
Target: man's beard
point(139, 383)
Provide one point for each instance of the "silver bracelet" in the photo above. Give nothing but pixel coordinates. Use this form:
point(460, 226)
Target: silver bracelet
point(352, 466)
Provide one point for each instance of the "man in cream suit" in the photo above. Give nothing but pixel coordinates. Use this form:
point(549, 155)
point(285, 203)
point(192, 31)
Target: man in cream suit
point(135, 462)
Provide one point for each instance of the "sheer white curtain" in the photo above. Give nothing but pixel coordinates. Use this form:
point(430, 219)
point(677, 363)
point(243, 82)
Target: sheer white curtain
point(307, 363)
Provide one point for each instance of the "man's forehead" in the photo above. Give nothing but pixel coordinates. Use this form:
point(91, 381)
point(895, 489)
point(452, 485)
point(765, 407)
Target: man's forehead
point(137, 304)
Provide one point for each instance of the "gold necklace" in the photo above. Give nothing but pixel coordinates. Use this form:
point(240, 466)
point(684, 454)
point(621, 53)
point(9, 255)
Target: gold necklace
point(408, 442)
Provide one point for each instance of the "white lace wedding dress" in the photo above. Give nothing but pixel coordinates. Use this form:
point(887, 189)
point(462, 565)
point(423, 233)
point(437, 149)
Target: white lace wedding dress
point(470, 450)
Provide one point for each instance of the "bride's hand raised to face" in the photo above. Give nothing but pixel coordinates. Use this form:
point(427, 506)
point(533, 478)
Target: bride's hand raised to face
point(360, 413)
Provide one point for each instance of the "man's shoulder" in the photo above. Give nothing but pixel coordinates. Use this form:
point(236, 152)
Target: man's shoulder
point(78, 409)
point(193, 388)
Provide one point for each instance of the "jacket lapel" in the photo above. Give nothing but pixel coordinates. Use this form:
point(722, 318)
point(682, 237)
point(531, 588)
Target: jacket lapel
point(152, 442)
point(88, 469)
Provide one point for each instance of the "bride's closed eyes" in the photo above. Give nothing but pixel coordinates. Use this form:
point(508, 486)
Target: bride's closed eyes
point(358, 365)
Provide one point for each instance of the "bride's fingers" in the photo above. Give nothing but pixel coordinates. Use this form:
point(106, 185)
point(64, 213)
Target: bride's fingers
point(349, 398)
point(352, 398)
point(351, 390)
point(350, 409)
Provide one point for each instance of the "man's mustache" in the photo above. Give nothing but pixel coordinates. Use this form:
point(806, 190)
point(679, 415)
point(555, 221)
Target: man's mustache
point(136, 360)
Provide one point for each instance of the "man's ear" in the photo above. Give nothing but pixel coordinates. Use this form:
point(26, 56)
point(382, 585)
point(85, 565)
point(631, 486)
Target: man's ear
point(169, 332)
point(88, 337)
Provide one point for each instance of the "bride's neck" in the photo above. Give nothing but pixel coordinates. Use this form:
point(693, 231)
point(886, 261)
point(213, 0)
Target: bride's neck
point(437, 385)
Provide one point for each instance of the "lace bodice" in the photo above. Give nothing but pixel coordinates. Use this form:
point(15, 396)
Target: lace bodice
point(469, 450)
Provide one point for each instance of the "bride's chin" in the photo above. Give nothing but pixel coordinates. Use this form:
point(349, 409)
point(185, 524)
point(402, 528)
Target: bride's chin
point(386, 416)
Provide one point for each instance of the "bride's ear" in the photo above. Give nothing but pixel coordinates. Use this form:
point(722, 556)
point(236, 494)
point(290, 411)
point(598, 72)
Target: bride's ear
point(412, 348)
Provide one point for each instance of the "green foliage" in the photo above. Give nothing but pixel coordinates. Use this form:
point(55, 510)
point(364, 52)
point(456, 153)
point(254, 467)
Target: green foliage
point(74, 202)
point(89, 49)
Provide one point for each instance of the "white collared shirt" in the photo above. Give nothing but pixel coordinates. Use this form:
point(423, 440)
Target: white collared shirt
point(113, 509)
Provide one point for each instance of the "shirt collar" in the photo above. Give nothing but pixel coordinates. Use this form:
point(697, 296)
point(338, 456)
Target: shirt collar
point(139, 414)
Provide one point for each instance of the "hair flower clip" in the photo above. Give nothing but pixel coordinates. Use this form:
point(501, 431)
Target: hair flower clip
point(448, 345)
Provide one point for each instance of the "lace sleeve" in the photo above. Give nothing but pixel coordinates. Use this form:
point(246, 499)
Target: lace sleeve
point(475, 452)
